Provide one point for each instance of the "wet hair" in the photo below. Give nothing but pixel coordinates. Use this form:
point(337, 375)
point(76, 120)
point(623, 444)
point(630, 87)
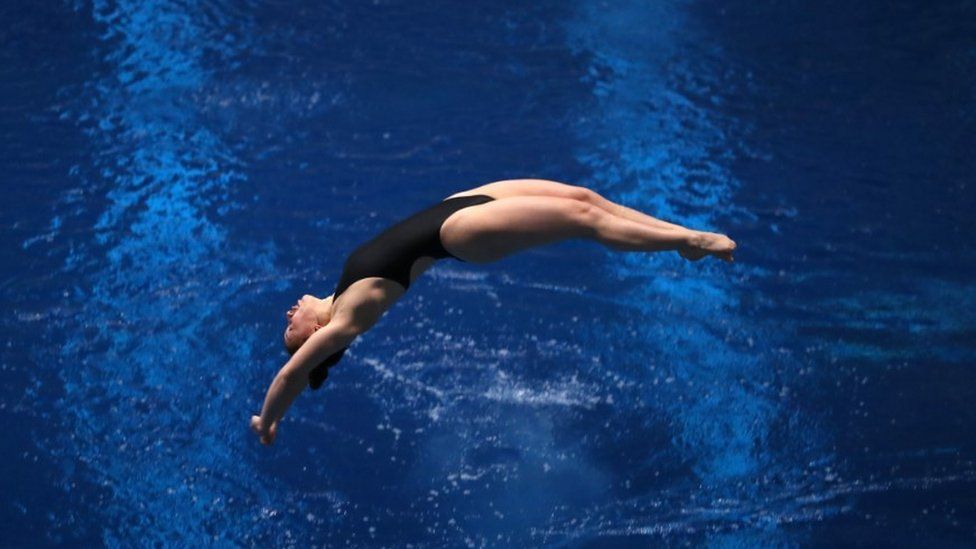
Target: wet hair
point(320, 373)
point(292, 349)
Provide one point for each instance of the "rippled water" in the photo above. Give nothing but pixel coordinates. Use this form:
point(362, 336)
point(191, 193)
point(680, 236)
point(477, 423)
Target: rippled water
point(175, 173)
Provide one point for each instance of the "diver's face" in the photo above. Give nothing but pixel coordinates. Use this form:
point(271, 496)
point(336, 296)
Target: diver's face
point(302, 321)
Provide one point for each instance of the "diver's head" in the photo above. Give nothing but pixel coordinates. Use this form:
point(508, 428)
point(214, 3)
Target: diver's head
point(306, 316)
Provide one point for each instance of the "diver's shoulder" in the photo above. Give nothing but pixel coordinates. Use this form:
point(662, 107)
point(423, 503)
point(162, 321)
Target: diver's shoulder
point(365, 301)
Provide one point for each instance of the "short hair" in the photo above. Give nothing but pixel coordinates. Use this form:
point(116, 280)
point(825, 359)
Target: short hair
point(292, 348)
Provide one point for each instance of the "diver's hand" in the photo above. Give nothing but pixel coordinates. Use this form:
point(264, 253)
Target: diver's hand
point(266, 434)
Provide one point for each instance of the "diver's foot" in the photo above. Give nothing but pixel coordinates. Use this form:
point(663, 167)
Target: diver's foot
point(701, 243)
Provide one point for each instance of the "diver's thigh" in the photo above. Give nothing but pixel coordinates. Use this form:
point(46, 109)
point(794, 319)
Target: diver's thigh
point(493, 230)
point(509, 188)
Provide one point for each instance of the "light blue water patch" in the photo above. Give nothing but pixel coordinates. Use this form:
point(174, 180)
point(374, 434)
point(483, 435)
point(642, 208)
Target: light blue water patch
point(654, 142)
point(151, 410)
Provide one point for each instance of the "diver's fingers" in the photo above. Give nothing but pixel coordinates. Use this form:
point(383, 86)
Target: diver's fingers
point(271, 434)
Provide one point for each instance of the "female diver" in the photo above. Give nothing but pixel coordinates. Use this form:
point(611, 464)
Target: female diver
point(480, 225)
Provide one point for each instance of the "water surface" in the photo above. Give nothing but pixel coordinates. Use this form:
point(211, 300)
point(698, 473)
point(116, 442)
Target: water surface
point(176, 173)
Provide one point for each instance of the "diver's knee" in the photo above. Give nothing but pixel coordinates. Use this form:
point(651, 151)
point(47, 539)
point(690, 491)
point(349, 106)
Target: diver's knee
point(583, 194)
point(585, 216)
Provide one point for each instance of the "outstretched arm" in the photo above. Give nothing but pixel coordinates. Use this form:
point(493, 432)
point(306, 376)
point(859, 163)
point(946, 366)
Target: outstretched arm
point(292, 379)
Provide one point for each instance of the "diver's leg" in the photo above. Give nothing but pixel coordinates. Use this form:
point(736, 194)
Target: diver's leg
point(496, 229)
point(544, 187)
point(625, 212)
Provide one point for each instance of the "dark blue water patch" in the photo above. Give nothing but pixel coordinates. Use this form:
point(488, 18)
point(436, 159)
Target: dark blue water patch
point(379, 141)
point(44, 52)
point(863, 118)
point(868, 115)
point(923, 513)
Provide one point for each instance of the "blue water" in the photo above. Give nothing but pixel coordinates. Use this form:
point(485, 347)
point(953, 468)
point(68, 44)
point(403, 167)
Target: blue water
point(176, 173)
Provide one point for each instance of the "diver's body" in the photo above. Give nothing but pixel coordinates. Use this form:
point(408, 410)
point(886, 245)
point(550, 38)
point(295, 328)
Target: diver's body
point(398, 254)
point(480, 225)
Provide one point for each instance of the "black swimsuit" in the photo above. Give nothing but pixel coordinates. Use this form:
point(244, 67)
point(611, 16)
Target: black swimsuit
point(391, 255)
